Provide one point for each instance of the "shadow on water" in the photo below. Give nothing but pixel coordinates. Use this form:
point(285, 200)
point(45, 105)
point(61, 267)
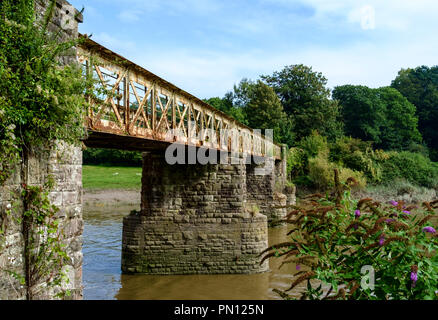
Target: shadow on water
point(103, 280)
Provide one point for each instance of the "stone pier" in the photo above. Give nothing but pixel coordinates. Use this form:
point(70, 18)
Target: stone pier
point(266, 191)
point(194, 220)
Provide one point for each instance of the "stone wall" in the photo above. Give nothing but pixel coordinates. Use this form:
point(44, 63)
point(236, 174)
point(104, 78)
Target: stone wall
point(64, 164)
point(266, 191)
point(11, 240)
point(193, 220)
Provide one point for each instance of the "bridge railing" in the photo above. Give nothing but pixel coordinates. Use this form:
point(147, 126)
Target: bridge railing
point(132, 101)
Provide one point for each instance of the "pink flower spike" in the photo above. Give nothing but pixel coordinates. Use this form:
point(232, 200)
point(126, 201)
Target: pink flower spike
point(429, 229)
point(357, 213)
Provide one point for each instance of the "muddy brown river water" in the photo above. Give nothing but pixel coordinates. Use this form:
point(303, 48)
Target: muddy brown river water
point(103, 280)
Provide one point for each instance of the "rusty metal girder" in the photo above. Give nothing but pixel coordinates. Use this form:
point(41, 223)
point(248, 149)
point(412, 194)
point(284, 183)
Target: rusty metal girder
point(134, 102)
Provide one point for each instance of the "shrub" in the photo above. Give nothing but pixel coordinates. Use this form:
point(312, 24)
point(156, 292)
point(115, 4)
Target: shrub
point(345, 173)
point(296, 162)
point(357, 155)
point(413, 167)
point(314, 144)
point(321, 173)
point(334, 238)
point(345, 146)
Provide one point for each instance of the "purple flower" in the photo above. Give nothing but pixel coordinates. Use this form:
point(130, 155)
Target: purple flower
point(357, 213)
point(381, 240)
point(394, 203)
point(407, 212)
point(429, 229)
point(298, 267)
point(389, 220)
point(414, 278)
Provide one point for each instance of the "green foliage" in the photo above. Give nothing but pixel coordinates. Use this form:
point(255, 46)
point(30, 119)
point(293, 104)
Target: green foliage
point(401, 126)
point(226, 105)
point(296, 163)
point(413, 167)
point(321, 172)
point(41, 100)
point(362, 111)
point(333, 238)
point(264, 110)
point(381, 115)
point(314, 144)
point(111, 157)
point(420, 87)
point(358, 155)
point(45, 252)
point(316, 158)
point(322, 176)
point(306, 100)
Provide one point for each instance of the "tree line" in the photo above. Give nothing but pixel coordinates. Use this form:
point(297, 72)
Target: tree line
point(296, 101)
point(376, 135)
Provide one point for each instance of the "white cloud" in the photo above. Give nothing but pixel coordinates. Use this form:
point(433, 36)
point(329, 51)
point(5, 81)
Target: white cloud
point(365, 15)
point(113, 43)
point(404, 36)
point(130, 16)
point(390, 14)
point(207, 74)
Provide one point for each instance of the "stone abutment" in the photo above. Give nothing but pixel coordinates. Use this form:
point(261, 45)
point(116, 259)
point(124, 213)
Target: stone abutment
point(202, 219)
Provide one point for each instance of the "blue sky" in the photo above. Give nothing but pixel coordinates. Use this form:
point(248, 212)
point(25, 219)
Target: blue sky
point(207, 46)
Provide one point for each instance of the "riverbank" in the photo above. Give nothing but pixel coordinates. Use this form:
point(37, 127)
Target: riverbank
point(399, 191)
point(111, 197)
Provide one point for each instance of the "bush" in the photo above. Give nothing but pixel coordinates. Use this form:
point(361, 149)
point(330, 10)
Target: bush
point(413, 167)
point(321, 173)
point(357, 155)
point(345, 173)
point(296, 162)
point(345, 146)
point(314, 144)
point(336, 243)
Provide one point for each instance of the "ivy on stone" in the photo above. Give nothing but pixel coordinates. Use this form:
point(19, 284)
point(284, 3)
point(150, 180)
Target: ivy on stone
point(41, 99)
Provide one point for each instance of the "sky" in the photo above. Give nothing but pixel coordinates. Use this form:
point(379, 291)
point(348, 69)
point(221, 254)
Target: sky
point(206, 46)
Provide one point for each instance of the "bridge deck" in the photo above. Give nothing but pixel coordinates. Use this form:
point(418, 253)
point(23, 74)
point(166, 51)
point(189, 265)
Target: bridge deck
point(134, 109)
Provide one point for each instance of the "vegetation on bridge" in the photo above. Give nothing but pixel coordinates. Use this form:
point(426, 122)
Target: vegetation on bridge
point(41, 100)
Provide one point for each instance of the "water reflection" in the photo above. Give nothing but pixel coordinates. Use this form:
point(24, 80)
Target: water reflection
point(102, 276)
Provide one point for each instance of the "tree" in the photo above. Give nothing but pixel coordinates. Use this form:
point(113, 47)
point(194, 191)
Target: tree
point(381, 115)
point(420, 87)
point(306, 100)
point(226, 105)
point(401, 124)
point(264, 111)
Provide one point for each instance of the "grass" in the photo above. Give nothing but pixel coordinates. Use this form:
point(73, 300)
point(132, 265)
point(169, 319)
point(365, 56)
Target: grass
point(103, 177)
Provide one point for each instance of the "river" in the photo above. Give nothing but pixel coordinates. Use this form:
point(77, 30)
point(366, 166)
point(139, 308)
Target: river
point(103, 280)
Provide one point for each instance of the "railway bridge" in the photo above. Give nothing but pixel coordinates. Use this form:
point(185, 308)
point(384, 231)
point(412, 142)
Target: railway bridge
point(209, 183)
